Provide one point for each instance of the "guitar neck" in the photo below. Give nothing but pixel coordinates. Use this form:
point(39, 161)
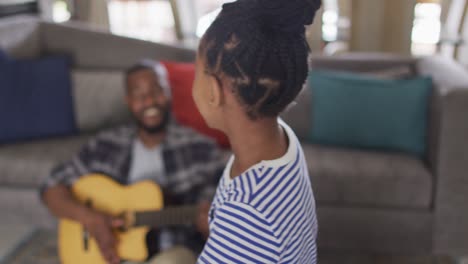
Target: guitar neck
point(168, 217)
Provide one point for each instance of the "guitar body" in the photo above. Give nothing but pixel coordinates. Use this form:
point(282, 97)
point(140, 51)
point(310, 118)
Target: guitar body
point(107, 196)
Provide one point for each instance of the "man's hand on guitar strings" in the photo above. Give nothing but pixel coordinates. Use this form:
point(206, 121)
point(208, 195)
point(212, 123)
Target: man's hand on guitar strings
point(101, 227)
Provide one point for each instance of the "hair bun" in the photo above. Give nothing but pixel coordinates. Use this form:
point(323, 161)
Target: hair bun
point(285, 15)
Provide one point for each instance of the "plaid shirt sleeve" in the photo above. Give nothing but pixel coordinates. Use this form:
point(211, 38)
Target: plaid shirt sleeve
point(68, 172)
point(215, 163)
point(105, 153)
point(194, 164)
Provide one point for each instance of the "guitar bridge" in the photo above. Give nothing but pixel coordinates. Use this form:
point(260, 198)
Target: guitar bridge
point(88, 204)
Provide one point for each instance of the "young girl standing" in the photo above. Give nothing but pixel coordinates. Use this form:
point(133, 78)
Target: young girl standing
point(251, 64)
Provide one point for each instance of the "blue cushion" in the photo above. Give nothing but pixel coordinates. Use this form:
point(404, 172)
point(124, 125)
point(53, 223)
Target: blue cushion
point(361, 112)
point(4, 57)
point(35, 99)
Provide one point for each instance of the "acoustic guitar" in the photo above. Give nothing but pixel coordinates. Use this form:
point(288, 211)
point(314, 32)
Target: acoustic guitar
point(140, 205)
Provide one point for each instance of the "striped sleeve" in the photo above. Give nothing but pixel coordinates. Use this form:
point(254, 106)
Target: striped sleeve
point(241, 235)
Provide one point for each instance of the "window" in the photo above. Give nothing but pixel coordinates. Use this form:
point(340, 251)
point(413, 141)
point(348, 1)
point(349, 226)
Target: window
point(151, 20)
point(207, 11)
point(154, 20)
point(426, 28)
point(336, 23)
point(330, 21)
point(60, 11)
point(205, 21)
point(206, 6)
point(17, 7)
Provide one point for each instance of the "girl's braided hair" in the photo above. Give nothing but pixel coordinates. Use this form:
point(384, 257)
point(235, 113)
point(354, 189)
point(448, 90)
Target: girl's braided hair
point(260, 45)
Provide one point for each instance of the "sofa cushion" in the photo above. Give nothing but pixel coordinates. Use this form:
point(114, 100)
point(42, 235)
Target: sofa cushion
point(181, 78)
point(28, 164)
point(99, 99)
point(294, 115)
point(22, 206)
point(4, 57)
point(35, 99)
point(297, 114)
point(355, 111)
point(367, 179)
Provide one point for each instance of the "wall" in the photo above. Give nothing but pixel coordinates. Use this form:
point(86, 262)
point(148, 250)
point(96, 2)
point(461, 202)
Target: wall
point(314, 33)
point(382, 25)
point(94, 12)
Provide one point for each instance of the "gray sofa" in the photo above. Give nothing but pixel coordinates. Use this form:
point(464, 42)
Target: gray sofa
point(367, 201)
point(392, 202)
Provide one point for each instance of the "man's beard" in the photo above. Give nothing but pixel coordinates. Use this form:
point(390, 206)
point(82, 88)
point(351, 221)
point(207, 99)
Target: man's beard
point(161, 127)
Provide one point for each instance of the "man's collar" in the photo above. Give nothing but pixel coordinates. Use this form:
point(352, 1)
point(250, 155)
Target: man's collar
point(171, 128)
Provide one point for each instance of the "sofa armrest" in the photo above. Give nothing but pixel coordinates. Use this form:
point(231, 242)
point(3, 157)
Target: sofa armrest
point(447, 75)
point(362, 62)
point(451, 197)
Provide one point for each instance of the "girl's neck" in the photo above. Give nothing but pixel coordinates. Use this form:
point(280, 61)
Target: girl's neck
point(253, 142)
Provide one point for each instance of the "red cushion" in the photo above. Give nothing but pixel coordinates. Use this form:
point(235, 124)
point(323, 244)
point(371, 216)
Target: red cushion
point(181, 77)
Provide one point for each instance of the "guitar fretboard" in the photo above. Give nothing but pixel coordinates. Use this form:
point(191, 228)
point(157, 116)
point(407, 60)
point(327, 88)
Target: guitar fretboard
point(170, 216)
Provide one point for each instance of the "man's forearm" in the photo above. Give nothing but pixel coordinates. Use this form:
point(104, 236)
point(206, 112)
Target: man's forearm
point(62, 204)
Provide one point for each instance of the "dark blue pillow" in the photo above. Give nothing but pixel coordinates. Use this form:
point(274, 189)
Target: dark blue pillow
point(35, 99)
point(4, 57)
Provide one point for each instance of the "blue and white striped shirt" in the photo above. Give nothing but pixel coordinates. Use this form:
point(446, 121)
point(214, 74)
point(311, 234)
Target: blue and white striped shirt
point(266, 214)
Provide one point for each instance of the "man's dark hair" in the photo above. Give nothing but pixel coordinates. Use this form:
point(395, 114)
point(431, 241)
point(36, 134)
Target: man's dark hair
point(261, 46)
point(136, 68)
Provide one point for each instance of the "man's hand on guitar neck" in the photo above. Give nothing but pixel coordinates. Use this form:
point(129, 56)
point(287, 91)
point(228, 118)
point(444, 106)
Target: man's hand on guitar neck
point(100, 227)
point(202, 218)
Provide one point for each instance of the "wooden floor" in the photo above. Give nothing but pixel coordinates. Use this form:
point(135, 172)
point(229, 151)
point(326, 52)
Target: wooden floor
point(41, 249)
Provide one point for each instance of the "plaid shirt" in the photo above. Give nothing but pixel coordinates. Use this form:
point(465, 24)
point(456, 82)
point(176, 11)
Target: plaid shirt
point(192, 163)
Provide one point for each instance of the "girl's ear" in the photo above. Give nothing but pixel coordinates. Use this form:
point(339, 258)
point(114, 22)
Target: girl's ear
point(216, 92)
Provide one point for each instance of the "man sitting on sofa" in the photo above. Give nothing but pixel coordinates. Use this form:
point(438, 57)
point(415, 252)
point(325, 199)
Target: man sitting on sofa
point(185, 164)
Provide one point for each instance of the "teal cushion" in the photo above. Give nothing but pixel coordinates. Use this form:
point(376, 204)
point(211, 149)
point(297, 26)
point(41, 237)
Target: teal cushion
point(352, 110)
